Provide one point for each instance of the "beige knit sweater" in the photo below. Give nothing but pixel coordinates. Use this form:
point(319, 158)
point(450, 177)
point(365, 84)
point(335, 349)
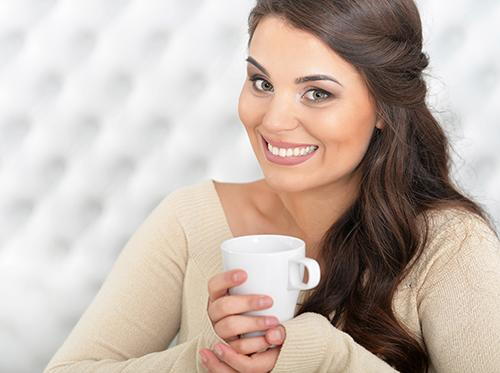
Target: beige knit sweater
point(158, 287)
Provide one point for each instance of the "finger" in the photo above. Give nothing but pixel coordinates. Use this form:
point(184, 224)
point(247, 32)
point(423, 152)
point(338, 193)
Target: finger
point(232, 338)
point(239, 324)
point(261, 361)
point(234, 304)
point(219, 284)
point(266, 361)
point(275, 336)
point(215, 365)
point(249, 345)
point(235, 360)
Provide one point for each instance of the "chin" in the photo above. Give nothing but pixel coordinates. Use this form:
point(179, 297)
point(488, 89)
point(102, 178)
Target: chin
point(290, 183)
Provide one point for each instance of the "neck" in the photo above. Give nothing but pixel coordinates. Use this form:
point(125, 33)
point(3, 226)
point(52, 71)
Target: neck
point(309, 212)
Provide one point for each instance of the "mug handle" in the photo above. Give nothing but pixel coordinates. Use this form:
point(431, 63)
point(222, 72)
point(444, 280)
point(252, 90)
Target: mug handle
point(295, 281)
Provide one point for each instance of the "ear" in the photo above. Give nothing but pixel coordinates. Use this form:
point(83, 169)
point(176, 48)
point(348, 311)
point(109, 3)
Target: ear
point(379, 123)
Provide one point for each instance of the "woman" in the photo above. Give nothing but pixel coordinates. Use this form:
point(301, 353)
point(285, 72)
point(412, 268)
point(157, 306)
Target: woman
point(411, 266)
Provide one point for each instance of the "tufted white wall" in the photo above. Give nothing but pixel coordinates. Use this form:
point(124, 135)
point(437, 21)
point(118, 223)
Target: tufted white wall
point(107, 106)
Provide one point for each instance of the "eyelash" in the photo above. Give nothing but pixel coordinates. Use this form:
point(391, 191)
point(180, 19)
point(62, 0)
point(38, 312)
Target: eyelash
point(254, 78)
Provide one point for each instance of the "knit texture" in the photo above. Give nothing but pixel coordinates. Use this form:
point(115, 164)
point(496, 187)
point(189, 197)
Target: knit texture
point(158, 286)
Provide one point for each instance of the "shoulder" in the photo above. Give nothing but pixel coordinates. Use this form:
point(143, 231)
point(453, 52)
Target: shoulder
point(206, 198)
point(458, 240)
point(178, 209)
point(199, 189)
point(453, 227)
point(190, 216)
point(188, 200)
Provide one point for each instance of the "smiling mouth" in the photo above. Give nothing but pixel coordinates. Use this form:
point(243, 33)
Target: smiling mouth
point(304, 150)
point(286, 145)
point(287, 160)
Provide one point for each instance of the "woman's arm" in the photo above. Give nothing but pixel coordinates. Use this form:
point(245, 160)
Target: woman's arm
point(313, 344)
point(459, 300)
point(458, 304)
point(136, 313)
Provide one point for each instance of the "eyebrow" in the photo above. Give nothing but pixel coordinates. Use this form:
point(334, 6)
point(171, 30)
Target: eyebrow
point(302, 79)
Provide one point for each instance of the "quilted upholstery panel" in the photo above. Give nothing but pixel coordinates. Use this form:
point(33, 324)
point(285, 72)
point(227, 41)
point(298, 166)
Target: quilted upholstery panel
point(106, 106)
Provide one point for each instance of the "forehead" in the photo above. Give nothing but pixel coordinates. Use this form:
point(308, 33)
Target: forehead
point(277, 45)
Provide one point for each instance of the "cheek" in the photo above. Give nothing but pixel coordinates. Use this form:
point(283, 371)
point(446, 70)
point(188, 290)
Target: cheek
point(345, 132)
point(248, 109)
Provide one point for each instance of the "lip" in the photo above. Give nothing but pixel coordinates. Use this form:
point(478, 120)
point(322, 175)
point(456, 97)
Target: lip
point(282, 144)
point(288, 161)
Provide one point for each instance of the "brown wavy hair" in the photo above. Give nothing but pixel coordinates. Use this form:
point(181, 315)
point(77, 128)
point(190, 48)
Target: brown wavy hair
point(405, 170)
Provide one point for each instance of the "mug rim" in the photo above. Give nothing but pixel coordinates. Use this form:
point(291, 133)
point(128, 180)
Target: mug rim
point(301, 243)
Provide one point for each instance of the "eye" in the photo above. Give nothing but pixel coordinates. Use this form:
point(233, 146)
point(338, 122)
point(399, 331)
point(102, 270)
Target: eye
point(264, 84)
point(319, 95)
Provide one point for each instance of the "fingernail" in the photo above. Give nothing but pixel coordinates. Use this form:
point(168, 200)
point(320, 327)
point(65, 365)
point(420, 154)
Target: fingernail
point(203, 357)
point(275, 335)
point(218, 350)
point(264, 301)
point(271, 321)
point(237, 276)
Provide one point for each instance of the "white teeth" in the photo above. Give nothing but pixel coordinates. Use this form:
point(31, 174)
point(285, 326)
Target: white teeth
point(295, 152)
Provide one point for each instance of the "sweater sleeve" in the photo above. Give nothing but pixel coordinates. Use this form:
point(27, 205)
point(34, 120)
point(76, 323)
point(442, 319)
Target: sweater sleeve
point(459, 300)
point(136, 312)
point(313, 344)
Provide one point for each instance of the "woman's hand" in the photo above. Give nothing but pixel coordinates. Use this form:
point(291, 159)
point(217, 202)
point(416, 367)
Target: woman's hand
point(224, 312)
point(229, 361)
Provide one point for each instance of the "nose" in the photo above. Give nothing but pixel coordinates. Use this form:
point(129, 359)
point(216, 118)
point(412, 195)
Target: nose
point(280, 114)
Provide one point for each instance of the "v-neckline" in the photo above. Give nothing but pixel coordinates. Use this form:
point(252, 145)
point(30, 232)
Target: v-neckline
point(225, 223)
point(222, 213)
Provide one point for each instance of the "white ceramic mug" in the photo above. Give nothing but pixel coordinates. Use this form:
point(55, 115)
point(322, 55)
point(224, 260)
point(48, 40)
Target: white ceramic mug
point(275, 267)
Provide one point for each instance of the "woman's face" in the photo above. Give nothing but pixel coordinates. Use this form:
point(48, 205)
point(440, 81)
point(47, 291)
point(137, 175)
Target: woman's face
point(337, 116)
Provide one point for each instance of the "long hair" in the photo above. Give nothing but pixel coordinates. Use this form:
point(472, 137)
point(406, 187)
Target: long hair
point(405, 171)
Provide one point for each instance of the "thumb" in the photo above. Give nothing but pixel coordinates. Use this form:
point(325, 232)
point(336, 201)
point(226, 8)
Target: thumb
point(276, 335)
